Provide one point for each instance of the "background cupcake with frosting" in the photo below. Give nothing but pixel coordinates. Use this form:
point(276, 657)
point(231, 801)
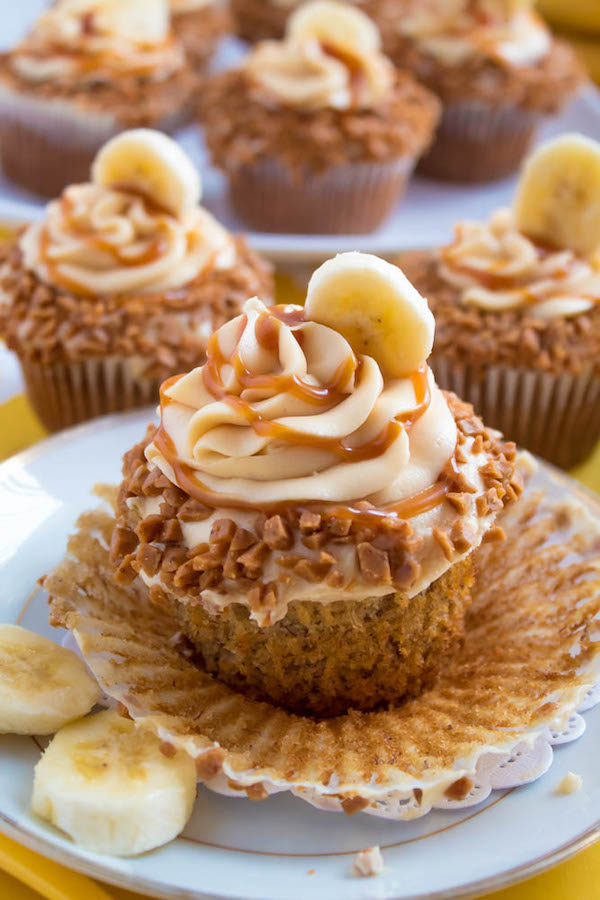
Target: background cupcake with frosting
point(200, 25)
point(318, 132)
point(86, 70)
point(517, 305)
point(121, 283)
point(497, 70)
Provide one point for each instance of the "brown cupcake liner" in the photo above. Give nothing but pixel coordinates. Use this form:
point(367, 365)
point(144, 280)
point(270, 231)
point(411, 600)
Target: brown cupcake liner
point(556, 417)
point(479, 142)
point(354, 198)
point(63, 394)
point(526, 665)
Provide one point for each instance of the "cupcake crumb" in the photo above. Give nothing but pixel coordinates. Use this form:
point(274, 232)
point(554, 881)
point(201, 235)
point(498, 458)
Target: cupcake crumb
point(368, 863)
point(570, 784)
point(311, 872)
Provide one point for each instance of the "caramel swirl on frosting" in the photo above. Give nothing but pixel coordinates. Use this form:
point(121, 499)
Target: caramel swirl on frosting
point(456, 30)
point(96, 40)
point(495, 267)
point(96, 240)
point(284, 411)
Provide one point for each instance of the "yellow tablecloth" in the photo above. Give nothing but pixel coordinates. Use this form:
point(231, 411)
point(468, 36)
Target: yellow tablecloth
point(578, 879)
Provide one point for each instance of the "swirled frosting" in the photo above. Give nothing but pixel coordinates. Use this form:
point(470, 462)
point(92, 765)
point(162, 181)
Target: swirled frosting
point(96, 41)
point(307, 75)
point(456, 30)
point(497, 268)
point(97, 240)
point(284, 411)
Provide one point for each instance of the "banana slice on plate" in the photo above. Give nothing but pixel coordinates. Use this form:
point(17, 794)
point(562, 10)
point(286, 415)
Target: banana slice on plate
point(376, 308)
point(336, 25)
point(152, 164)
point(42, 686)
point(110, 787)
point(558, 196)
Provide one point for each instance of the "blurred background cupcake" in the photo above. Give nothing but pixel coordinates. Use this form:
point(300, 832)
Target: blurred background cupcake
point(86, 70)
point(318, 132)
point(121, 283)
point(259, 20)
point(200, 25)
point(517, 306)
point(496, 68)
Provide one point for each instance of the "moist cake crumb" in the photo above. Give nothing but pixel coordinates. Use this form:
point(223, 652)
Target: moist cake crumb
point(368, 863)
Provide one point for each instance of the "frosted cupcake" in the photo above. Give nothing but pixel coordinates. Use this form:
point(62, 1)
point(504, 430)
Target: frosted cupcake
point(496, 69)
point(259, 20)
point(88, 69)
point(309, 505)
point(517, 305)
point(319, 132)
point(200, 25)
point(121, 283)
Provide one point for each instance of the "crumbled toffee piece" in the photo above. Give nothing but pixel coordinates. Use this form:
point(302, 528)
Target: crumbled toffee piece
point(387, 551)
point(368, 863)
point(241, 129)
point(514, 337)
point(570, 784)
point(167, 332)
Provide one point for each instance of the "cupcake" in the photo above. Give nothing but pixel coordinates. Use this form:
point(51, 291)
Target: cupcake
point(121, 282)
point(200, 25)
point(87, 70)
point(517, 305)
point(309, 505)
point(318, 133)
point(260, 20)
point(496, 69)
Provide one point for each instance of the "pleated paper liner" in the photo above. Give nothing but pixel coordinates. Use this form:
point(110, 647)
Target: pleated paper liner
point(554, 416)
point(530, 659)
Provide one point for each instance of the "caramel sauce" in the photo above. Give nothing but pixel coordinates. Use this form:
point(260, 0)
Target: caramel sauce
point(267, 333)
point(358, 80)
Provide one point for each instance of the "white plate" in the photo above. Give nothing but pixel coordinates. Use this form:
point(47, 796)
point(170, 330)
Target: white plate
point(238, 849)
point(425, 216)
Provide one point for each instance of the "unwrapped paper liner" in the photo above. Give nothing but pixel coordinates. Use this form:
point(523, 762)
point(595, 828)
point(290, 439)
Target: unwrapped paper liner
point(530, 660)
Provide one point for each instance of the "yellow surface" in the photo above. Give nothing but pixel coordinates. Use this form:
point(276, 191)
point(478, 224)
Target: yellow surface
point(588, 50)
point(581, 15)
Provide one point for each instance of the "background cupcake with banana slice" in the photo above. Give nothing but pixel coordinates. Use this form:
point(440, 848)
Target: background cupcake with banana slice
point(310, 503)
point(87, 70)
point(498, 72)
point(517, 305)
point(318, 132)
point(121, 283)
point(200, 25)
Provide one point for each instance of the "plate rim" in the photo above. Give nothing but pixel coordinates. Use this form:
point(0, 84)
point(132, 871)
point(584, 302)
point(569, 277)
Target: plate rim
point(72, 859)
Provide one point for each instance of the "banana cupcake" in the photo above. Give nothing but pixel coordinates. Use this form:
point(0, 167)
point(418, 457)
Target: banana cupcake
point(309, 505)
point(517, 305)
point(121, 283)
point(87, 70)
point(260, 20)
point(498, 72)
point(200, 25)
point(318, 133)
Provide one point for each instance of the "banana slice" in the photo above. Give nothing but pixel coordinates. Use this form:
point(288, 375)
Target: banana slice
point(153, 164)
point(109, 786)
point(42, 686)
point(336, 25)
point(142, 21)
point(558, 196)
point(376, 308)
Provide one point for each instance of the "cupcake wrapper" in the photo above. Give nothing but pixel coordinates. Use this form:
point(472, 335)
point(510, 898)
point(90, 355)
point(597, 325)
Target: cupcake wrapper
point(512, 689)
point(351, 199)
point(64, 394)
point(478, 142)
point(555, 416)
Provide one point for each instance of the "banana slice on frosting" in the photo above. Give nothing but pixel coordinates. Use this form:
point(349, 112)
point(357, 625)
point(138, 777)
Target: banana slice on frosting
point(42, 686)
point(376, 308)
point(111, 788)
point(140, 21)
point(558, 196)
point(152, 164)
point(336, 25)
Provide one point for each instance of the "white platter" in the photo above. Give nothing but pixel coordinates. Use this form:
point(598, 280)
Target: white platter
point(424, 218)
point(238, 849)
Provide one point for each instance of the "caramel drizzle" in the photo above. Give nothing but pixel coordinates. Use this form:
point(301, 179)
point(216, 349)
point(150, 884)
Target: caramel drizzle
point(267, 333)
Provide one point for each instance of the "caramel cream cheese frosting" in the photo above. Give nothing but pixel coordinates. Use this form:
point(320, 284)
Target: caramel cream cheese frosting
point(456, 30)
point(96, 40)
point(293, 413)
point(136, 227)
point(330, 57)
